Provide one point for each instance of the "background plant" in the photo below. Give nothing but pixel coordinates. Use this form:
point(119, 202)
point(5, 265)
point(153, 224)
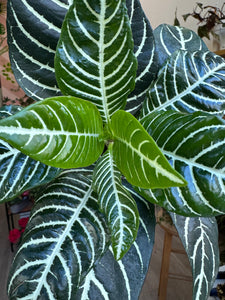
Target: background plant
point(91, 231)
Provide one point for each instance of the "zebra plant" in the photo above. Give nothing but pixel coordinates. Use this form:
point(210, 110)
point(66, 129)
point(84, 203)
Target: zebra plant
point(124, 118)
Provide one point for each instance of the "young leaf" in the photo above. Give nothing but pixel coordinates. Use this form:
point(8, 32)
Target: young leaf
point(117, 205)
point(94, 58)
point(195, 147)
point(19, 172)
point(137, 155)
point(200, 239)
point(189, 82)
point(123, 279)
point(62, 132)
point(65, 236)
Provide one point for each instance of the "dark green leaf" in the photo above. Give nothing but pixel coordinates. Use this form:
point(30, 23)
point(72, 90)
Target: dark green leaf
point(200, 239)
point(65, 236)
point(195, 147)
point(94, 57)
point(189, 82)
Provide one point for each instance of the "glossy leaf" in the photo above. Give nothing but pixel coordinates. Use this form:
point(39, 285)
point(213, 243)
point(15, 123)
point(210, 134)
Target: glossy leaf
point(170, 38)
point(123, 279)
point(62, 132)
point(33, 31)
point(19, 172)
point(144, 50)
point(117, 205)
point(200, 239)
point(65, 235)
point(195, 147)
point(189, 82)
point(94, 58)
point(137, 155)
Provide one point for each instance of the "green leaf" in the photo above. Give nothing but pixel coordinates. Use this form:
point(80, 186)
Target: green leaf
point(94, 57)
point(117, 205)
point(62, 132)
point(137, 155)
point(123, 279)
point(170, 38)
point(195, 147)
point(19, 172)
point(65, 236)
point(200, 239)
point(144, 50)
point(189, 82)
point(33, 32)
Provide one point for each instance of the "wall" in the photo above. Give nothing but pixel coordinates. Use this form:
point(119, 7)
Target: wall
point(163, 11)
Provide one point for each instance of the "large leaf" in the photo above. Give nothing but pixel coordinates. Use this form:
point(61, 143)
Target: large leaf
point(144, 50)
point(19, 172)
point(137, 155)
point(188, 82)
point(33, 30)
point(200, 239)
point(117, 205)
point(62, 132)
point(94, 58)
point(195, 146)
point(170, 38)
point(123, 279)
point(65, 236)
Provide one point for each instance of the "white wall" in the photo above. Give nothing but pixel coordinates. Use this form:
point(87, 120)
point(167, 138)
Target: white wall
point(163, 11)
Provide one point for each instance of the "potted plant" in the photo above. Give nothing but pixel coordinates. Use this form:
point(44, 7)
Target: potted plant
point(125, 118)
point(211, 21)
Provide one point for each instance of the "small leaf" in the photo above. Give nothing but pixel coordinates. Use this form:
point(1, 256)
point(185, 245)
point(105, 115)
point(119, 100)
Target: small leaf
point(138, 157)
point(117, 205)
point(200, 239)
point(123, 279)
point(62, 132)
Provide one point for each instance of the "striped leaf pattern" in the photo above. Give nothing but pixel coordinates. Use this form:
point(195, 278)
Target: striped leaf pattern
point(189, 82)
point(194, 144)
point(144, 50)
point(94, 58)
point(123, 279)
point(19, 172)
point(170, 38)
point(200, 239)
point(117, 205)
point(64, 237)
point(33, 32)
point(62, 132)
point(137, 155)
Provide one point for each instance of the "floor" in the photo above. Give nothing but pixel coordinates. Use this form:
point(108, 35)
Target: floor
point(178, 263)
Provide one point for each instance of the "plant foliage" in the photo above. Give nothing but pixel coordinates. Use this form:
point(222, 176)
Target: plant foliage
point(125, 118)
